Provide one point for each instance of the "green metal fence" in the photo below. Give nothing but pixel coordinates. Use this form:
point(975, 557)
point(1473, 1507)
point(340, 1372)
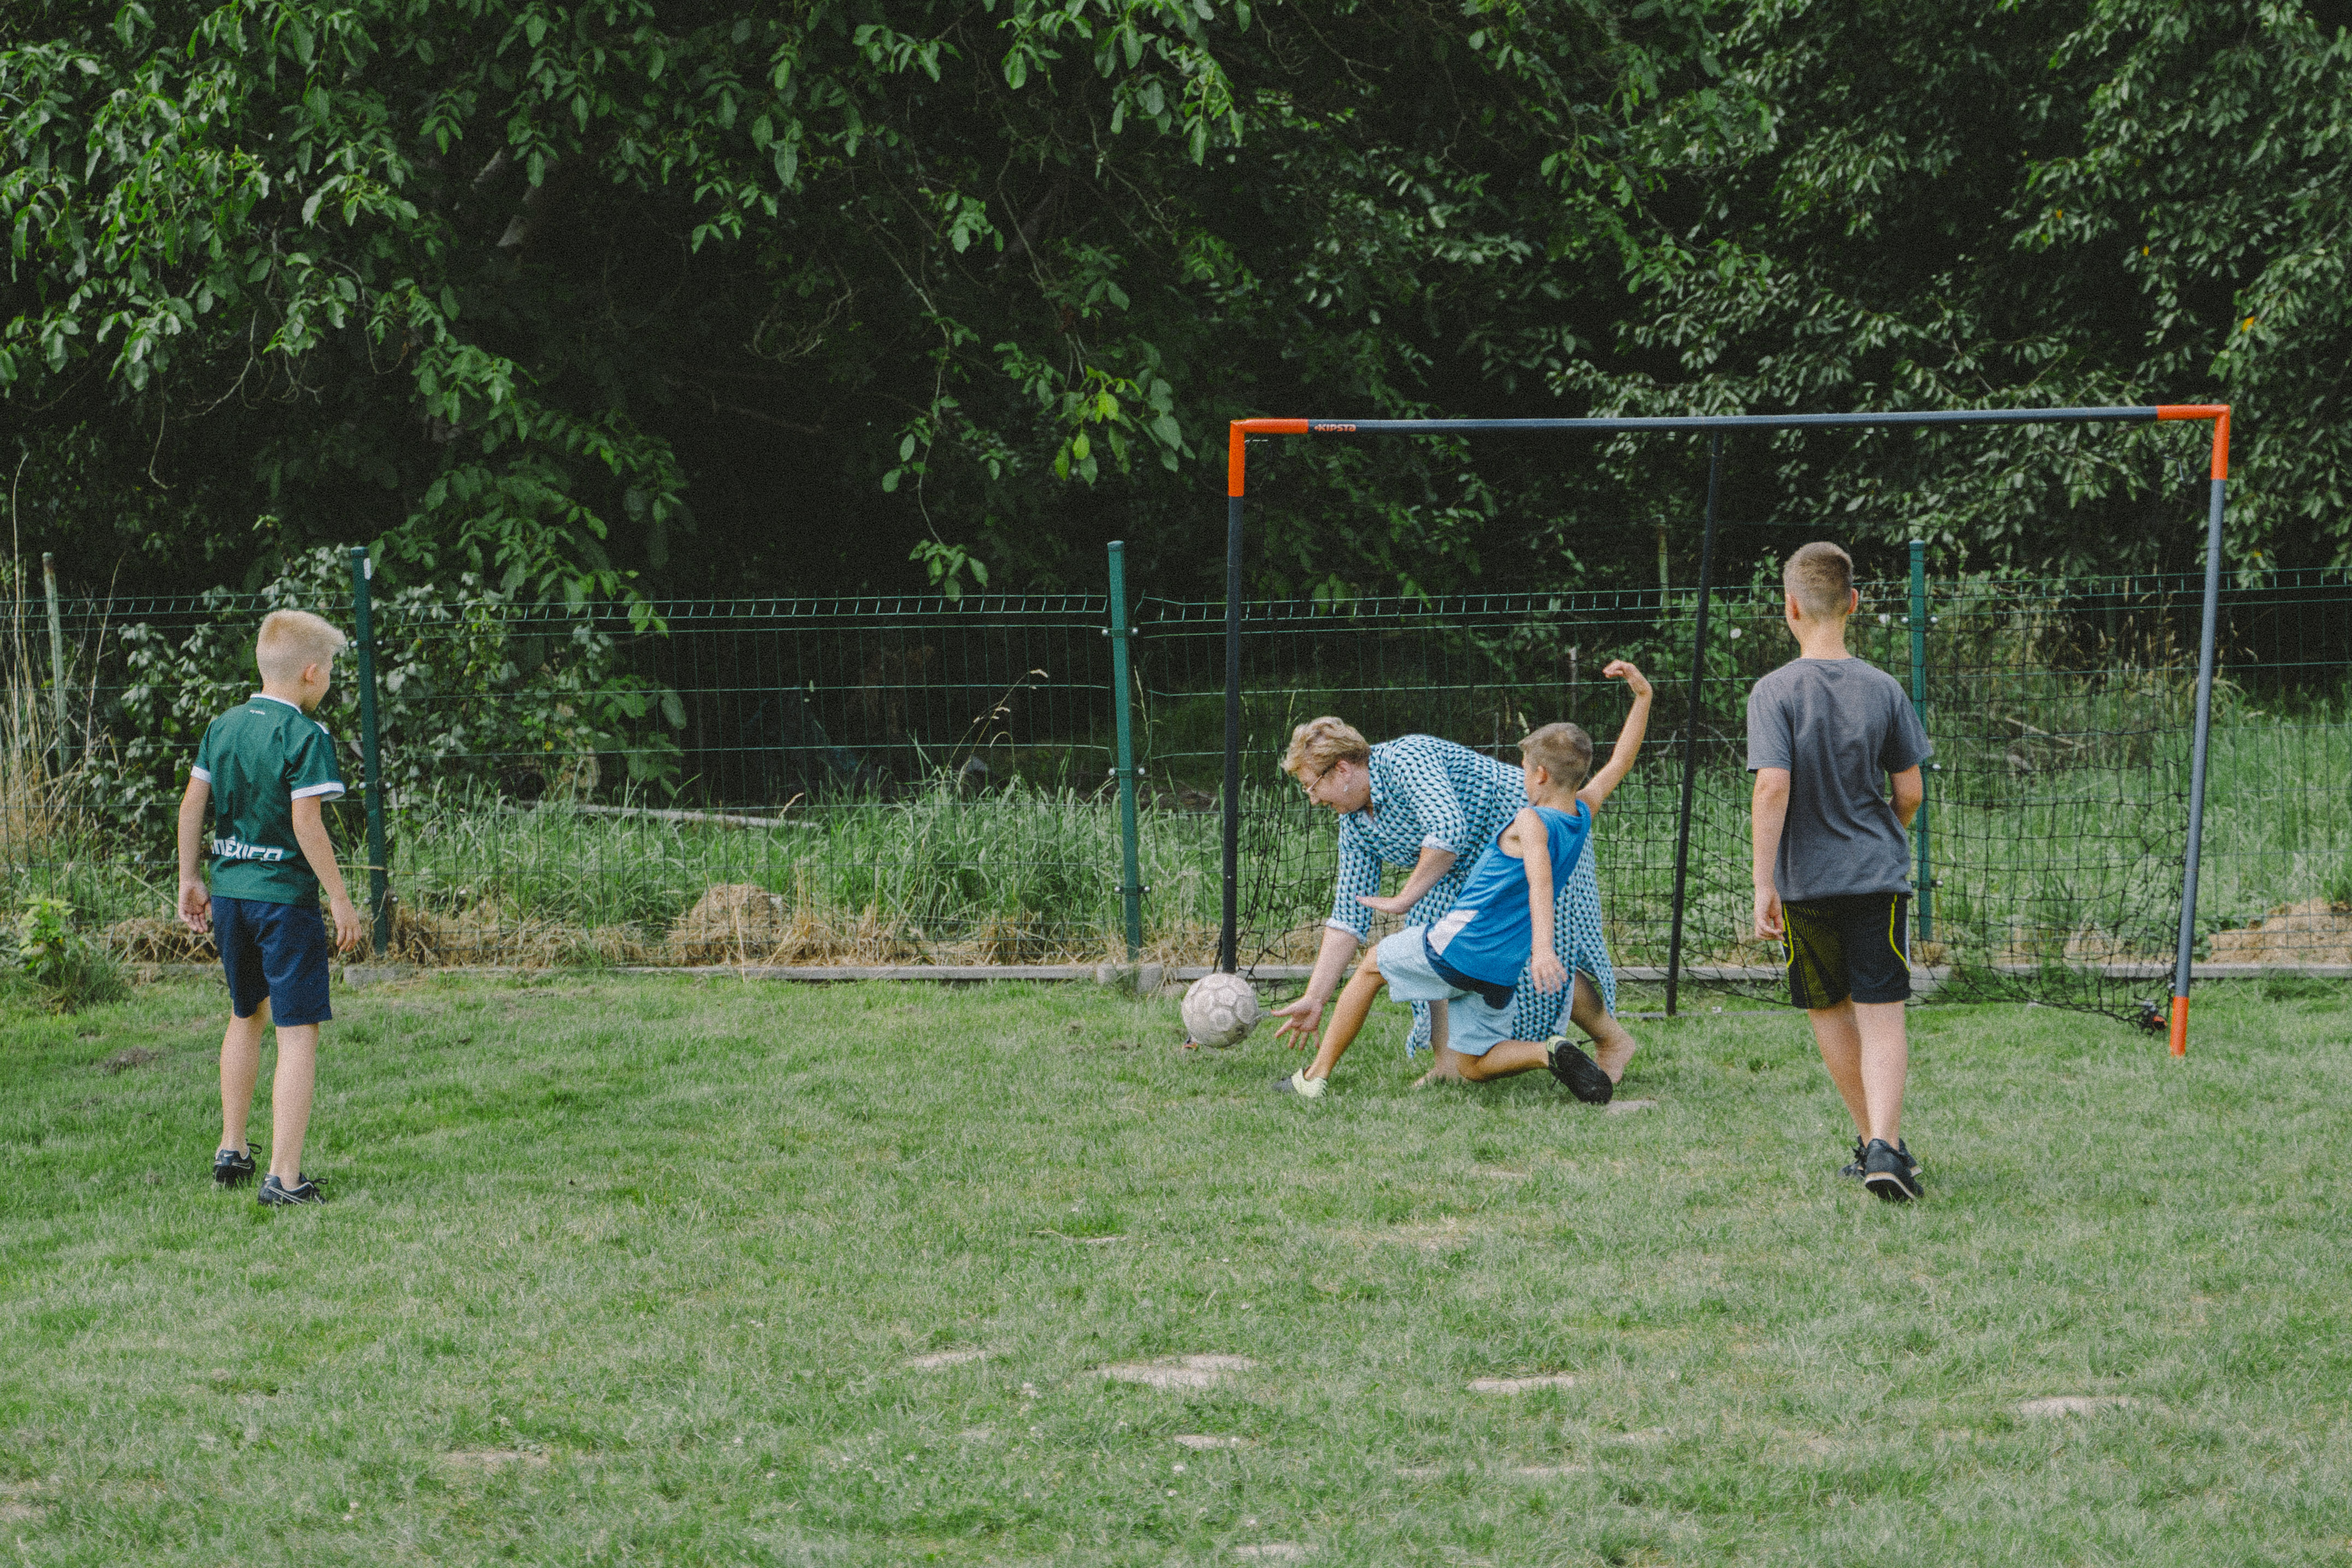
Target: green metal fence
point(924, 781)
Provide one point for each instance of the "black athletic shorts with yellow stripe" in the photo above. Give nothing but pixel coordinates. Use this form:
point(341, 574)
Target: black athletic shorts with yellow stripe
point(1857, 945)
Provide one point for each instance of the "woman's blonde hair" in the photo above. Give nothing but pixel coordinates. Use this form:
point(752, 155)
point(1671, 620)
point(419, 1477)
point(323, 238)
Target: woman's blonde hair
point(1320, 743)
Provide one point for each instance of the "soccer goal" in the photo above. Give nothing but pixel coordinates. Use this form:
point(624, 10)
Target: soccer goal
point(2058, 850)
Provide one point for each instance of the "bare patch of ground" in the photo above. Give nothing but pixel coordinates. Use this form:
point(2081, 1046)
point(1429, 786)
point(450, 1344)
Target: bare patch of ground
point(2075, 1405)
point(1178, 1372)
point(1521, 1385)
point(933, 1360)
point(1200, 1440)
point(489, 1461)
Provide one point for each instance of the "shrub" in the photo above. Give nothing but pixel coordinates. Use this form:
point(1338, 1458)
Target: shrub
point(68, 971)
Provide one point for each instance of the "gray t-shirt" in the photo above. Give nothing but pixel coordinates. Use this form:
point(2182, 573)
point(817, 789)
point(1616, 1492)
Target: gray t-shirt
point(1839, 726)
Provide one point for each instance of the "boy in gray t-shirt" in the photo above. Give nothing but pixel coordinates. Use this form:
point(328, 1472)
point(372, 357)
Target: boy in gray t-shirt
point(1832, 854)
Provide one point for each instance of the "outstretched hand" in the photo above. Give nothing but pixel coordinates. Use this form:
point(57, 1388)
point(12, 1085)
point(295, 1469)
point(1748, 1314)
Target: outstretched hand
point(1389, 904)
point(1623, 670)
point(1302, 1022)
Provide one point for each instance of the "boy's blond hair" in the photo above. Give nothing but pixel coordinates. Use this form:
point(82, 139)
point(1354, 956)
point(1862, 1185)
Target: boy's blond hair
point(1820, 577)
point(1319, 744)
point(1562, 751)
point(292, 641)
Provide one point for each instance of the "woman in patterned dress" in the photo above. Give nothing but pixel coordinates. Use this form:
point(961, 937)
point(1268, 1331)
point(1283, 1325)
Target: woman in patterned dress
point(1431, 804)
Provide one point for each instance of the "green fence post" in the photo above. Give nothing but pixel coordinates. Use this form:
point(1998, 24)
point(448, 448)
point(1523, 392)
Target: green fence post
point(1130, 886)
point(57, 657)
point(379, 879)
point(1925, 903)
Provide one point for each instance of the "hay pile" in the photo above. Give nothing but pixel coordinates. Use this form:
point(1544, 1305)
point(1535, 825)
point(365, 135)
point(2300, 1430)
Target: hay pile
point(734, 922)
point(2085, 947)
point(2313, 931)
point(491, 932)
point(151, 939)
point(742, 922)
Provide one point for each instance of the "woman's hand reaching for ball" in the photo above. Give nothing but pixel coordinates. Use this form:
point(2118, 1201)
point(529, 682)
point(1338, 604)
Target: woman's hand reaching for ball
point(1302, 1022)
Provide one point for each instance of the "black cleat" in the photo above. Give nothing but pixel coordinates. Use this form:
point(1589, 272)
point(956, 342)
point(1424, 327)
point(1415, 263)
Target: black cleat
point(1854, 1167)
point(275, 1194)
point(233, 1167)
point(1888, 1173)
point(1579, 1072)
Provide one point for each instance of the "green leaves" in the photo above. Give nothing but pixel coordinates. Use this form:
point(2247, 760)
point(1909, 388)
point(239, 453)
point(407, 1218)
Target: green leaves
point(913, 277)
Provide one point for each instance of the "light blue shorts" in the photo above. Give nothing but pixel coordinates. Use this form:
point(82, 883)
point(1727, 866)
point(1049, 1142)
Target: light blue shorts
point(1472, 1026)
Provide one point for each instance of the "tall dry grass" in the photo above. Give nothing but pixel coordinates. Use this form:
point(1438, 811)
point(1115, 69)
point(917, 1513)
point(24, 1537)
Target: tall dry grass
point(35, 811)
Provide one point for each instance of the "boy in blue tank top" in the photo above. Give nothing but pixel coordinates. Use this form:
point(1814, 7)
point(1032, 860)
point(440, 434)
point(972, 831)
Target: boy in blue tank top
point(1471, 957)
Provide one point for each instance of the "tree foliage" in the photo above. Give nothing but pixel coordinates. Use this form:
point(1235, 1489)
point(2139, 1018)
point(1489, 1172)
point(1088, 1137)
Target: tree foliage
point(606, 299)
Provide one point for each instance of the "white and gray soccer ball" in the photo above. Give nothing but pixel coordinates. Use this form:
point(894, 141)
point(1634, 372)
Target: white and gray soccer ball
point(1220, 1010)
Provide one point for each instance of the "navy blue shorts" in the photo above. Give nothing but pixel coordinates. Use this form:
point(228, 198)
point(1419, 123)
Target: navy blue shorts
point(274, 951)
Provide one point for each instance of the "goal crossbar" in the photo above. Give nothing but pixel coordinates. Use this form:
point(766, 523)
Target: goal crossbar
point(1716, 426)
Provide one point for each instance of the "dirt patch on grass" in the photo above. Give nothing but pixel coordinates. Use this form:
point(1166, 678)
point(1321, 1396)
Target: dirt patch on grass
point(489, 1461)
point(1522, 1384)
point(1203, 1443)
point(1178, 1372)
point(1430, 1235)
point(2075, 1405)
point(933, 1360)
point(131, 1056)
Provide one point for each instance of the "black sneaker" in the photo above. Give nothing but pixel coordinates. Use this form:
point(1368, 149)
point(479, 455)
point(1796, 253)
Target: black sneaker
point(1854, 1167)
point(1579, 1072)
point(233, 1167)
point(275, 1194)
point(1888, 1173)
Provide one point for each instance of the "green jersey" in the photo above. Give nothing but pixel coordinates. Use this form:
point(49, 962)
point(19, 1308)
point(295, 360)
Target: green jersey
point(260, 758)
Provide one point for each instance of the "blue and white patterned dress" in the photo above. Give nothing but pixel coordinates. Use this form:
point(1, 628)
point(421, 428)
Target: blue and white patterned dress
point(1432, 792)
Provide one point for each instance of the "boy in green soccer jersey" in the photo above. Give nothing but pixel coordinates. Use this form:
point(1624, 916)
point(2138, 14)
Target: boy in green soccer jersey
point(261, 772)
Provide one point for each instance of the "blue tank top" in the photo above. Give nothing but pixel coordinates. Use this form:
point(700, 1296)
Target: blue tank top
point(1488, 934)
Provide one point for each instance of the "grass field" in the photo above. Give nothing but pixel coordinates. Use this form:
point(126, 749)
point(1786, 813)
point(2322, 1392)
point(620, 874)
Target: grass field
point(644, 1270)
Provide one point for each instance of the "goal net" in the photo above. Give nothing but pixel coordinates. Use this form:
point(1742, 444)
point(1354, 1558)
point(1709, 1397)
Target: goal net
point(2064, 717)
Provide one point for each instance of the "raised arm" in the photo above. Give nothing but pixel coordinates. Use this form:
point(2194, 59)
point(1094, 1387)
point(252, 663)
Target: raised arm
point(1603, 784)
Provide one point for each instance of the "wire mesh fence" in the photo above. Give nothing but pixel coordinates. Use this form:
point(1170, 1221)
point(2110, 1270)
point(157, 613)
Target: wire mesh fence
point(919, 781)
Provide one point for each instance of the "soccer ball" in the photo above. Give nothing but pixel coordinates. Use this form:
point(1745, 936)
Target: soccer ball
point(1220, 1010)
